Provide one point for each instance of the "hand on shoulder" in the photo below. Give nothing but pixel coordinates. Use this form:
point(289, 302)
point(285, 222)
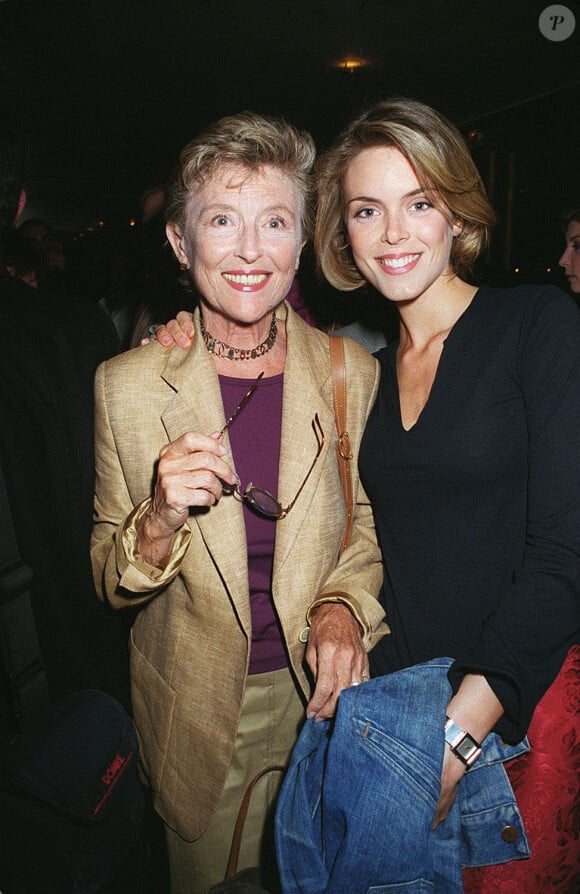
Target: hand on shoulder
point(179, 331)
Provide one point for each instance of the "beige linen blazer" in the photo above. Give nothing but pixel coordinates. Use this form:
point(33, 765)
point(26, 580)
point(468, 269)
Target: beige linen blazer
point(190, 643)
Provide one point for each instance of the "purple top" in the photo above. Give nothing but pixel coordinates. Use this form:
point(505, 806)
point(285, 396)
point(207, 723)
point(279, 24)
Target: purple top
point(255, 439)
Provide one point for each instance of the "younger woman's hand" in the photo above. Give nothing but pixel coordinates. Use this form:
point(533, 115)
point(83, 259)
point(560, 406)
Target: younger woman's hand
point(451, 775)
point(179, 331)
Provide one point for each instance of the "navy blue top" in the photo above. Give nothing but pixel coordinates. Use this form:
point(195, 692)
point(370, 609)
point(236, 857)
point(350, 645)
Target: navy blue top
point(478, 505)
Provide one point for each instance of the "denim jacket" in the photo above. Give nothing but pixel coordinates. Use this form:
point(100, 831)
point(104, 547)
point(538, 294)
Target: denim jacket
point(356, 808)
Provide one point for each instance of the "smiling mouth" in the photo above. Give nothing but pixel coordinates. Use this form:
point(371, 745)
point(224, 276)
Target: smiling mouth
point(246, 279)
point(398, 263)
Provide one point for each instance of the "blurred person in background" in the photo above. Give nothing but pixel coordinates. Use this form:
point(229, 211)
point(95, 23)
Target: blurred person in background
point(160, 289)
point(49, 349)
point(39, 234)
point(570, 260)
point(22, 259)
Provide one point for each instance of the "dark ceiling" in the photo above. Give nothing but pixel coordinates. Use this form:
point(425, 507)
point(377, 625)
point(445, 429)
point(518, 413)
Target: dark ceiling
point(108, 90)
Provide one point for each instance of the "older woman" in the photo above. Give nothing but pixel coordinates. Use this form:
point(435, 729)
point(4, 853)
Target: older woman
point(219, 508)
point(570, 259)
point(470, 458)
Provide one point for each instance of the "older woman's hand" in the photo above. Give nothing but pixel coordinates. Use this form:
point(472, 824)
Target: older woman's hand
point(335, 655)
point(190, 473)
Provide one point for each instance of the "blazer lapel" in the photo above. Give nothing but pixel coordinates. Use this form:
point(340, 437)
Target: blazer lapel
point(196, 405)
point(307, 391)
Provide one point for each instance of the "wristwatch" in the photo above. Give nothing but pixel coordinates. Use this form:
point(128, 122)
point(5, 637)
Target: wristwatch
point(461, 743)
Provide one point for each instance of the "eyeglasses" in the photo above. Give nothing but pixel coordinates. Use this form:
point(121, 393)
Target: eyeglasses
point(241, 405)
point(258, 498)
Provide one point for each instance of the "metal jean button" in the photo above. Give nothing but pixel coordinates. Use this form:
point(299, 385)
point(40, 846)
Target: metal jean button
point(509, 834)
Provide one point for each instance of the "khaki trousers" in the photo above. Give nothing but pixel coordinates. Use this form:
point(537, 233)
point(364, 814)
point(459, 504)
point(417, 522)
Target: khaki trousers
point(272, 714)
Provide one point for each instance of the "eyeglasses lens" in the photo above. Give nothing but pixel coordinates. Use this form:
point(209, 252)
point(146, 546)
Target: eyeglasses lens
point(263, 502)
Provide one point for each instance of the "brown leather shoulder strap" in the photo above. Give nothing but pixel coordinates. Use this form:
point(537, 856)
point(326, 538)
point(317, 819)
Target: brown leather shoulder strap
point(232, 866)
point(343, 448)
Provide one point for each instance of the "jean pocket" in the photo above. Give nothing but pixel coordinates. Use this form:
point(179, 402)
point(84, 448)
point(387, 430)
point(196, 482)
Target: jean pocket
point(417, 886)
point(405, 771)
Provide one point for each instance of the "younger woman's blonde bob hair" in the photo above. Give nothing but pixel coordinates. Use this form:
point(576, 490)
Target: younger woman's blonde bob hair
point(249, 140)
point(442, 163)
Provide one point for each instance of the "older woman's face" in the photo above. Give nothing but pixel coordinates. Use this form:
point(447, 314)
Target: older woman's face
point(242, 241)
point(570, 260)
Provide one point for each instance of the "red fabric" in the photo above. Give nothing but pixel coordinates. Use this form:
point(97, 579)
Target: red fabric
point(546, 782)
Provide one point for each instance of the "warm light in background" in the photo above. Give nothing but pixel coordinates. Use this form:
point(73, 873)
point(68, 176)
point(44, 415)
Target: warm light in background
point(350, 64)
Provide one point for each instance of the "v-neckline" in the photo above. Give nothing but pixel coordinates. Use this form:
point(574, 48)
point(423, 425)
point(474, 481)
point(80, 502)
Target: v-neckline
point(397, 392)
point(436, 377)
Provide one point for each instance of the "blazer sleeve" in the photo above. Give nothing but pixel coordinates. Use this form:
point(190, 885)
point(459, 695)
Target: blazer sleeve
point(121, 576)
point(358, 575)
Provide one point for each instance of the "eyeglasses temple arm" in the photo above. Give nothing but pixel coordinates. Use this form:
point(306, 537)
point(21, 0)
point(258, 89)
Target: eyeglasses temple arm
point(241, 404)
point(316, 426)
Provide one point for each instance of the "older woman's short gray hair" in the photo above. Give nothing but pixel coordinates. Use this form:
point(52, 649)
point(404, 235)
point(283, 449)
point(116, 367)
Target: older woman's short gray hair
point(252, 141)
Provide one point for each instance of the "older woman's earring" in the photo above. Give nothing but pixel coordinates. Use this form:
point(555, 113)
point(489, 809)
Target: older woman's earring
point(184, 266)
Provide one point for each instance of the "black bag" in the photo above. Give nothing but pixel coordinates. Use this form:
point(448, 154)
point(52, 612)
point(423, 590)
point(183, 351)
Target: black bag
point(71, 804)
point(72, 810)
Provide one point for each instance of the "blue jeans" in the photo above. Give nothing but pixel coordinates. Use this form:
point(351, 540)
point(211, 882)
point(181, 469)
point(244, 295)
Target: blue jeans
point(357, 804)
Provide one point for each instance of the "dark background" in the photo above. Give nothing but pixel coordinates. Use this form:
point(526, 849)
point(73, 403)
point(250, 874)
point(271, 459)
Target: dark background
point(108, 91)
